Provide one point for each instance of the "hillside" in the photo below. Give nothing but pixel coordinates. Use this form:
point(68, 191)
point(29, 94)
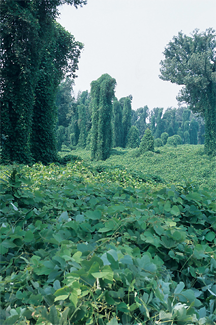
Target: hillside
point(186, 163)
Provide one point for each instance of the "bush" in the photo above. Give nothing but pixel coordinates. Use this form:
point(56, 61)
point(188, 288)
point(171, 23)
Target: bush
point(174, 140)
point(164, 137)
point(158, 142)
point(147, 142)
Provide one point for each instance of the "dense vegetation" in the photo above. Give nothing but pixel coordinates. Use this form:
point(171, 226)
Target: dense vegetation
point(36, 53)
point(88, 244)
point(120, 227)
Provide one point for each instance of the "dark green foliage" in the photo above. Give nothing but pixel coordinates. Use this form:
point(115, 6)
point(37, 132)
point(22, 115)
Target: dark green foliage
point(102, 93)
point(160, 124)
point(60, 57)
point(126, 117)
point(64, 101)
point(70, 244)
point(82, 124)
point(174, 140)
point(20, 60)
point(186, 137)
point(191, 61)
point(147, 142)
point(140, 122)
point(36, 53)
point(117, 124)
point(164, 137)
point(194, 127)
point(158, 142)
point(133, 139)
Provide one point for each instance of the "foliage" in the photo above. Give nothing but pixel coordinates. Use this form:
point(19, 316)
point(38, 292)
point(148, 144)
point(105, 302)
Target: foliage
point(174, 140)
point(117, 124)
point(76, 250)
point(102, 93)
point(36, 54)
point(158, 142)
point(164, 137)
point(64, 101)
point(186, 162)
point(190, 61)
point(126, 117)
point(133, 139)
point(147, 142)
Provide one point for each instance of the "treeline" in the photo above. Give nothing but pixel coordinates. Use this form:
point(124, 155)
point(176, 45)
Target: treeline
point(75, 120)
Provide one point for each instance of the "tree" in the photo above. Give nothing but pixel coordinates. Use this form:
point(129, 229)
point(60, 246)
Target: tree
point(194, 127)
point(191, 61)
point(164, 137)
point(64, 101)
point(82, 126)
point(147, 142)
point(102, 93)
point(27, 32)
point(60, 57)
point(117, 124)
point(133, 139)
point(140, 123)
point(126, 117)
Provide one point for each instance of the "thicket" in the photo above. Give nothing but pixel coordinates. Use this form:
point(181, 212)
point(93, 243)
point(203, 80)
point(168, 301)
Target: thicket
point(84, 250)
point(36, 53)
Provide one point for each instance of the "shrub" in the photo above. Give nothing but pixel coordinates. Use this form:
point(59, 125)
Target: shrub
point(158, 142)
point(147, 142)
point(164, 137)
point(174, 140)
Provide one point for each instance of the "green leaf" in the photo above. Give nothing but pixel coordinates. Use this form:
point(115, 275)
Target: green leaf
point(94, 215)
point(210, 236)
point(63, 297)
point(179, 288)
point(175, 210)
point(29, 236)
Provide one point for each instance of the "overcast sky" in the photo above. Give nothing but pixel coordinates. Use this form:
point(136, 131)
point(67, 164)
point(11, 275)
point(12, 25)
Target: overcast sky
point(126, 39)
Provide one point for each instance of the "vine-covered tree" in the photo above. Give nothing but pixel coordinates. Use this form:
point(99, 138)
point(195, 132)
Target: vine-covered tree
point(26, 34)
point(133, 139)
point(102, 93)
point(82, 125)
point(60, 57)
point(117, 124)
point(64, 101)
point(142, 114)
point(147, 142)
point(126, 117)
point(191, 61)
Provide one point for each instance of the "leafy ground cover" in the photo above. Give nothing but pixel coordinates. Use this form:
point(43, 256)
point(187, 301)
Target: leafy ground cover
point(79, 248)
point(173, 165)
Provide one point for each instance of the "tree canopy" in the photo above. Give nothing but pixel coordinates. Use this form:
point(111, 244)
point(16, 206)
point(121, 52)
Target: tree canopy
point(191, 61)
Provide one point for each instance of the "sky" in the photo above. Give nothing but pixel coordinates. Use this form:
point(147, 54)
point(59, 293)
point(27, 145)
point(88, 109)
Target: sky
point(126, 39)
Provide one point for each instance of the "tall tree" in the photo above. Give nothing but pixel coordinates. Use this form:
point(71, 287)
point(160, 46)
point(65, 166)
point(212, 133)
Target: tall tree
point(26, 30)
point(141, 122)
point(20, 41)
point(126, 117)
point(102, 93)
point(60, 57)
point(117, 124)
point(64, 101)
point(191, 61)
